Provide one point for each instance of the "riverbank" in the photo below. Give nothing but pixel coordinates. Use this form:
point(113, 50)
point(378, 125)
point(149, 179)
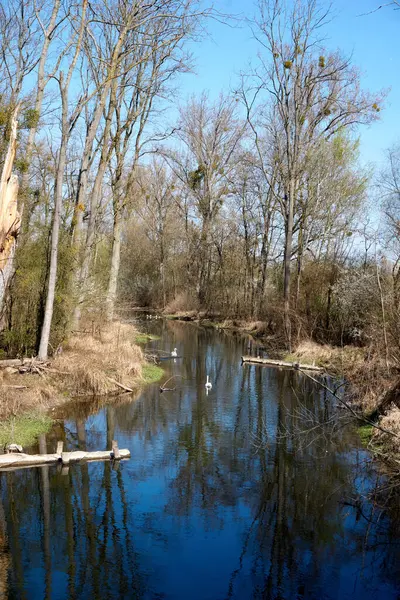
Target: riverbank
point(103, 364)
point(373, 385)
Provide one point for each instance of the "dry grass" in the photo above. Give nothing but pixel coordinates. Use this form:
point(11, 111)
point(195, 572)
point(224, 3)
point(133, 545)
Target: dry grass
point(255, 327)
point(338, 359)
point(38, 394)
point(391, 422)
point(89, 363)
point(86, 367)
point(364, 368)
point(182, 303)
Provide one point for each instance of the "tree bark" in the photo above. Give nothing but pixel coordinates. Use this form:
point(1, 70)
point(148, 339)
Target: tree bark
point(115, 262)
point(66, 129)
point(55, 234)
point(9, 216)
point(287, 263)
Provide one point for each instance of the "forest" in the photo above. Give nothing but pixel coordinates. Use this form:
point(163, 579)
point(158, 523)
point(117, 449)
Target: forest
point(250, 207)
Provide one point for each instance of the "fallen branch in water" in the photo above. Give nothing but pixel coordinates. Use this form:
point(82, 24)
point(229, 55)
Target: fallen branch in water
point(346, 405)
point(165, 389)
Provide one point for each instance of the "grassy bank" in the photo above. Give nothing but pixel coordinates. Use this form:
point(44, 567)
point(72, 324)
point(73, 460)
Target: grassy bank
point(104, 364)
point(24, 429)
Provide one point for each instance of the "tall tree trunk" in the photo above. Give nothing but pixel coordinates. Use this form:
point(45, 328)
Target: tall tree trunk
point(264, 255)
point(299, 273)
point(66, 130)
point(287, 264)
point(55, 234)
point(162, 268)
point(203, 276)
point(115, 262)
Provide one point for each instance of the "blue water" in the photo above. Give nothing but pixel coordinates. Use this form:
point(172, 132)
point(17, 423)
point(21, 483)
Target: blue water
point(234, 493)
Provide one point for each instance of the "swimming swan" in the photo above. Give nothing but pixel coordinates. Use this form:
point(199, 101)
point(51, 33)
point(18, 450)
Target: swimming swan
point(208, 384)
point(174, 352)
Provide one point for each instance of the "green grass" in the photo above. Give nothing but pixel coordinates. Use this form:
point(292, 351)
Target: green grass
point(365, 433)
point(292, 358)
point(142, 338)
point(152, 373)
point(24, 430)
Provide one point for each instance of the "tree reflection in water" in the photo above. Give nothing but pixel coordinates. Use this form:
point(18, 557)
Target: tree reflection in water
point(214, 503)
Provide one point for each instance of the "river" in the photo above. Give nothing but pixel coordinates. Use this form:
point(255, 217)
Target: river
point(233, 492)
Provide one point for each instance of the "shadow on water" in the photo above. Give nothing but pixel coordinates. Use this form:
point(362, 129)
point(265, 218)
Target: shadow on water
point(215, 503)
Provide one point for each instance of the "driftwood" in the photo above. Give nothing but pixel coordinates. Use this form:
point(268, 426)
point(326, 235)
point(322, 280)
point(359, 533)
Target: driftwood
point(21, 460)
point(279, 363)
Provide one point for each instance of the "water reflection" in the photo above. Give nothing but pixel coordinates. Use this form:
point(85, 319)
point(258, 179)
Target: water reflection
point(210, 506)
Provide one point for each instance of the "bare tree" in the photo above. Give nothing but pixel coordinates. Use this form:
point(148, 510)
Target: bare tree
point(209, 135)
point(149, 54)
point(389, 187)
point(19, 35)
point(308, 96)
point(155, 208)
point(49, 23)
point(68, 122)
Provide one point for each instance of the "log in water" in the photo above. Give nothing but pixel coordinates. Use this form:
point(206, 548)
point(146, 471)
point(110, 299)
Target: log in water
point(279, 363)
point(20, 460)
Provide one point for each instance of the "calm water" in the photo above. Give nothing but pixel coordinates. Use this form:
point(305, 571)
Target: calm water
point(210, 506)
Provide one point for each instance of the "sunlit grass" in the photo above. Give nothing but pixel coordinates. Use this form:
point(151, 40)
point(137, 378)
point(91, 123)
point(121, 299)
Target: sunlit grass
point(24, 430)
point(293, 358)
point(365, 433)
point(152, 373)
point(142, 338)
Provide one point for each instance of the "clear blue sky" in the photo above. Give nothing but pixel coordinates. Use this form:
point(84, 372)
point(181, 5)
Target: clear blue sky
point(373, 41)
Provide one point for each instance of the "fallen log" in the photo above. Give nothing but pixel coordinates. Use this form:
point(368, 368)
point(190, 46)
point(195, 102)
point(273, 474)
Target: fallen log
point(120, 385)
point(19, 362)
point(279, 363)
point(80, 455)
point(21, 460)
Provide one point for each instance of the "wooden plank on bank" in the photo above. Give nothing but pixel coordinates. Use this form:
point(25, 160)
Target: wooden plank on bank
point(279, 363)
point(21, 460)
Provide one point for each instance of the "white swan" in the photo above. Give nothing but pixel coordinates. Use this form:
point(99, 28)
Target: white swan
point(208, 384)
point(174, 352)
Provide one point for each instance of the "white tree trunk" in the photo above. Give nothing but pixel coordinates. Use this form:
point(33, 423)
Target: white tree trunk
point(9, 216)
point(55, 234)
